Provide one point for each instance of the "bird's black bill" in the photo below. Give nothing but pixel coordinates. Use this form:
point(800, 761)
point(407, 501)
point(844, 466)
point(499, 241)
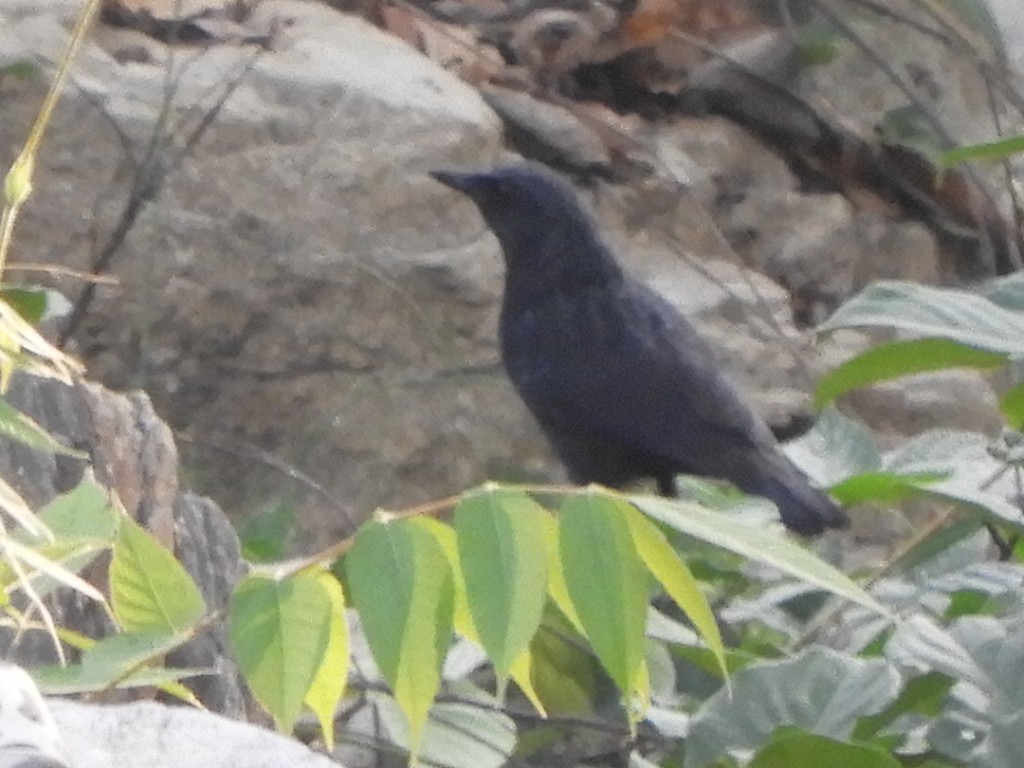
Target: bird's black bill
point(451, 179)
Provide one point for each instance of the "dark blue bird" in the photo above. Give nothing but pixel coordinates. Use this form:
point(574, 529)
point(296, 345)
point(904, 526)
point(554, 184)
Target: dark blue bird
point(619, 380)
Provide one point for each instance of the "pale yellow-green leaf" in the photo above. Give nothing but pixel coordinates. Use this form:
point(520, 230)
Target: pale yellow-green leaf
point(12, 503)
point(672, 573)
point(557, 588)
point(328, 684)
point(55, 571)
point(522, 674)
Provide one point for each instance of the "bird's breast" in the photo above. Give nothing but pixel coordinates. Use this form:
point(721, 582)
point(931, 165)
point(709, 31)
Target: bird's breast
point(538, 340)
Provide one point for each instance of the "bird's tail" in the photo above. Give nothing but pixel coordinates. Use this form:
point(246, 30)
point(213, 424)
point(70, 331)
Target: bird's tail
point(804, 508)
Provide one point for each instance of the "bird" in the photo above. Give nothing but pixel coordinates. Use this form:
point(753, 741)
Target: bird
point(619, 381)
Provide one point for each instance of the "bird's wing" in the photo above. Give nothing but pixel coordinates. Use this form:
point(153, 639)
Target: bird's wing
point(626, 366)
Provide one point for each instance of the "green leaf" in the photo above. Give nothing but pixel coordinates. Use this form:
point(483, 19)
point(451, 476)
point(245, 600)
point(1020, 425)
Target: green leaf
point(961, 316)
point(400, 583)
point(121, 661)
point(503, 552)
point(901, 358)
point(328, 684)
point(17, 426)
point(29, 302)
point(755, 543)
point(265, 535)
point(1012, 406)
point(883, 487)
point(796, 749)
point(149, 589)
point(563, 675)
point(988, 151)
point(671, 572)
point(608, 585)
point(817, 44)
point(23, 69)
point(54, 565)
point(280, 632)
point(85, 511)
point(820, 691)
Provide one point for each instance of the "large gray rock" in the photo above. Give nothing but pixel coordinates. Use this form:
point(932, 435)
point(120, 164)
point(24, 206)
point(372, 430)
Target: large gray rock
point(157, 736)
point(301, 290)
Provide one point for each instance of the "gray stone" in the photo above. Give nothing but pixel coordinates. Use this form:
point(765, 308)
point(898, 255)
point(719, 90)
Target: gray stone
point(157, 736)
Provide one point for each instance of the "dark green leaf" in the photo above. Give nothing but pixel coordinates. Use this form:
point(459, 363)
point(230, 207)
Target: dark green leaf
point(267, 534)
point(30, 303)
point(901, 358)
point(795, 749)
point(279, 631)
point(503, 553)
point(607, 582)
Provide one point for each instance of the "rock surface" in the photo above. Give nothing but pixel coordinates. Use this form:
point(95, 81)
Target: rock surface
point(132, 452)
point(157, 736)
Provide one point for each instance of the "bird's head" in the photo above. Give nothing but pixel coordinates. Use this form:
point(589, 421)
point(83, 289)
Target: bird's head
point(547, 237)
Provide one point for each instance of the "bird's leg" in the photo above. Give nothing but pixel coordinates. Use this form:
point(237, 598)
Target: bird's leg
point(667, 485)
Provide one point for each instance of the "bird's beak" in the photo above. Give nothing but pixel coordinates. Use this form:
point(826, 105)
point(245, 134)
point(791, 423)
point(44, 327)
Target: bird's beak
point(457, 181)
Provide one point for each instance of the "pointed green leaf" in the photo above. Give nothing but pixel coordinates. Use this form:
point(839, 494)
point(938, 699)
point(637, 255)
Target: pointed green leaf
point(881, 487)
point(564, 676)
point(756, 543)
point(149, 589)
point(14, 506)
point(672, 573)
point(503, 553)
point(608, 584)
point(328, 684)
point(901, 358)
point(280, 632)
point(50, 566)
point(59, 680)
point(400, 583)
point(557, 588)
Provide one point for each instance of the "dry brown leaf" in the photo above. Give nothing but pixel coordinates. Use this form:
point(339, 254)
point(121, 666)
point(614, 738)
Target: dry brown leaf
point(654, 20)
